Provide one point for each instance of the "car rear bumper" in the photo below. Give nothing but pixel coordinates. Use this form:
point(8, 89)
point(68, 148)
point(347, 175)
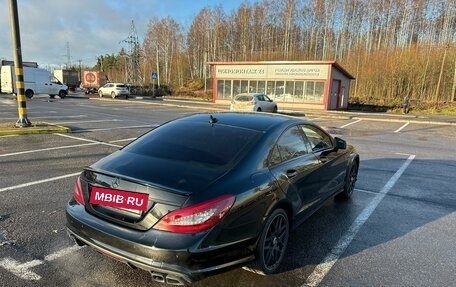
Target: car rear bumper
point(155, 251)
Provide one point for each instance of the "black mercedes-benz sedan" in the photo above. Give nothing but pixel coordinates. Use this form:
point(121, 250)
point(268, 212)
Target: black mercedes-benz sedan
point(209, 192)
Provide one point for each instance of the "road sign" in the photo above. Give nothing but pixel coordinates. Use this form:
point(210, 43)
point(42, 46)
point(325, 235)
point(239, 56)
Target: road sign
point(153, 75)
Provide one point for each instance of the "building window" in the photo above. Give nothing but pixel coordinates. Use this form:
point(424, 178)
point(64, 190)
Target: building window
point(319, 92)
point(279, 91)
point(299, 90)
point(224, 89)
point(244, 86)
point(236, 87)
point(289, 95)
point(261, 87)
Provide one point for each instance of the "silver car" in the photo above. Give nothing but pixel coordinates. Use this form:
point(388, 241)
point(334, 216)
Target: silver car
point(256, 102)
point(114, 90)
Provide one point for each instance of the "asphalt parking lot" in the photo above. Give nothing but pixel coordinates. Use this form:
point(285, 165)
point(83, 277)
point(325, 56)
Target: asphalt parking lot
point(399, 229)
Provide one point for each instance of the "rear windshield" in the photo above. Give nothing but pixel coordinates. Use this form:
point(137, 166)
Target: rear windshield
point(197, 142)
point(243, 98)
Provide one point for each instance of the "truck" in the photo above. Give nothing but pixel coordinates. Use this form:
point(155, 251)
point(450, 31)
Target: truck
point(93, 80)
point(36, 81)
point(68, 77)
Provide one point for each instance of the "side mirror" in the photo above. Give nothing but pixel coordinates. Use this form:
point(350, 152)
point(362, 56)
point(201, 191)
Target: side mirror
point(340, 143)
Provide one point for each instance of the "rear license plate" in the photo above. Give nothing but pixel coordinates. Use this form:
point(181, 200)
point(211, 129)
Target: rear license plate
point(119, 198)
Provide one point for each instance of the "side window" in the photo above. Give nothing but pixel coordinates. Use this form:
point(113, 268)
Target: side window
point(290, 145)
point(260, 98)
point(318, 139)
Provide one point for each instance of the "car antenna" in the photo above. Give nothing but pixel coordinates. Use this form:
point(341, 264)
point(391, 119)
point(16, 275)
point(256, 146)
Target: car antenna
point(212, 120)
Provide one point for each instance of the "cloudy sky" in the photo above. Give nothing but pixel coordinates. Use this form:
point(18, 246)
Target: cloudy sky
point(90, 27)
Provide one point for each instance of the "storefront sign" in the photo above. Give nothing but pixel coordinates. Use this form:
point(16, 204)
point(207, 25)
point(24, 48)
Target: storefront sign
point(267, 71)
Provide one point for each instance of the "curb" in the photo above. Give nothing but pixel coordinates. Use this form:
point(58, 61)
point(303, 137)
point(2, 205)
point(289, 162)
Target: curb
point(50, 129)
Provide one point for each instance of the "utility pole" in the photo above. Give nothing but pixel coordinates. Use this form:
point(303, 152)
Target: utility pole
point(68, 55)
point(18, 70)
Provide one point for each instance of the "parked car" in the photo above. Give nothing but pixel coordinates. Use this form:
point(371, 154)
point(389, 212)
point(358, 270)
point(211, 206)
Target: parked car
point(207, 192)
point(255, 102)
point(114, 90)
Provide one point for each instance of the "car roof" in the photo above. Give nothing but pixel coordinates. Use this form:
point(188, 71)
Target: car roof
point(248, 120)
point(249, 94)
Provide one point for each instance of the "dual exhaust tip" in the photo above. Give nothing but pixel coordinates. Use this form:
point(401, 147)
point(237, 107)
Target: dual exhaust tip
point(168, 279)
point(158, 277)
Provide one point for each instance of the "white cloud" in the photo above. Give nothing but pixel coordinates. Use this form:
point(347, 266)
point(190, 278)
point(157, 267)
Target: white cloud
point(91, 27)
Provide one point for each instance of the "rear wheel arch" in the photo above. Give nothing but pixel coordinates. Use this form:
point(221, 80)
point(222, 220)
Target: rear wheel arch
point(282, 204)
point(272, 243)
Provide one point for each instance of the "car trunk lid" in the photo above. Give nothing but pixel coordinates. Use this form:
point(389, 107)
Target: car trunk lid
point(107, 195)
point(161, 185)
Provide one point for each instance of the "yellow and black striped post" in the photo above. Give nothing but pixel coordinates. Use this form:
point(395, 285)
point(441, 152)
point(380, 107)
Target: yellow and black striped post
point(21, 99)
point(18, 71)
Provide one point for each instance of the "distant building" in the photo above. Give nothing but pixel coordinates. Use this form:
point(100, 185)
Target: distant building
point(322, 85)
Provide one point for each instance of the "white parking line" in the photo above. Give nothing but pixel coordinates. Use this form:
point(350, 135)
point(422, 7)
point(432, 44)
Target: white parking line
point(22, 270)
point(349, 124)
point(401, 128)
point(87, 140)
point(47, 149)
point(331, 258)
point(38, 182)
point(92, 121)
point(115, 128)
point(62, 252)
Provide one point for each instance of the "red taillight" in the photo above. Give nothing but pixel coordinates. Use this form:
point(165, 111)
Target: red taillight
point(77, 194)
point(198, 217)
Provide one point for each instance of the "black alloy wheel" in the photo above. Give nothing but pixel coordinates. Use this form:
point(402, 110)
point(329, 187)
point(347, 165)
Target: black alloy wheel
point(272, 244)
point(349, 183)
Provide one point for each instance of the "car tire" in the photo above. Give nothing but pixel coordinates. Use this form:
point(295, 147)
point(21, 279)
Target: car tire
point(258, 110)
point(274, 110)
point(113, 95)
point(350, 181)
point(52, 96)
point(29, 94)
point(100, 93)
point(62, 94)
point(272, 244)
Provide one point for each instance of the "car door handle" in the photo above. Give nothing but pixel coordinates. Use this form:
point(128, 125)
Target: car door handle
point(291, 173)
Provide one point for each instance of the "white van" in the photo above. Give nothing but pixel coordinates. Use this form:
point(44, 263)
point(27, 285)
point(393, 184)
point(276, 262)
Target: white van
point(36, 81)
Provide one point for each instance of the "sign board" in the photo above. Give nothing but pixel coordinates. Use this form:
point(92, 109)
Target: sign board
point(287, 72)
point(153, 75)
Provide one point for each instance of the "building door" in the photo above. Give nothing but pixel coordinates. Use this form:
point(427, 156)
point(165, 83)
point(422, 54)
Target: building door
point(335, 95)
